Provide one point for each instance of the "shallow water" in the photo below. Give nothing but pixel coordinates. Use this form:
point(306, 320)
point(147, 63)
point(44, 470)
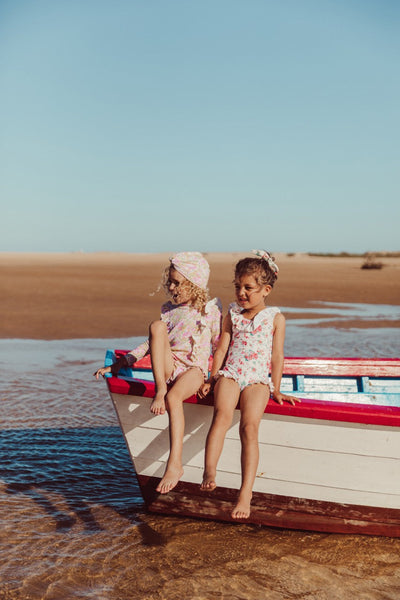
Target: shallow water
point(72, 523)
point(345, 312)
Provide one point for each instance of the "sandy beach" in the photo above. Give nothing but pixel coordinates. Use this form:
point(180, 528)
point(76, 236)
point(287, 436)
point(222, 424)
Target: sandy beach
point(73, 523)
point(103, 295)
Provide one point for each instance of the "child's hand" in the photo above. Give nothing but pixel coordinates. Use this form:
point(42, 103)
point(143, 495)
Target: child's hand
point(281, 398)
point(102, 371)
point(204, 390)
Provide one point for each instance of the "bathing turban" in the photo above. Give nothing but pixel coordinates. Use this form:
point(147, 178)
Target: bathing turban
point(193, 266)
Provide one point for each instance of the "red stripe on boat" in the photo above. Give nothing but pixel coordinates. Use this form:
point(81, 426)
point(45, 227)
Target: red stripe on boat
point(307, 409)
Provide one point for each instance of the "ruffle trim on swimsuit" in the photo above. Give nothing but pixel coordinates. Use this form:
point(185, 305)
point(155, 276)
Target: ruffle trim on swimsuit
point(202, 324)
point(235, 311)
point(228, 373)
point(214, 302)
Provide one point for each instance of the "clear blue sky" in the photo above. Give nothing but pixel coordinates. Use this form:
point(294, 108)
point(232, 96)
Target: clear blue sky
point(215, 125)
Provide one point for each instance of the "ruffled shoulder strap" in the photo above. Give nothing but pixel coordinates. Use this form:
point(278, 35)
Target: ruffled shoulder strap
point(212, 312)
point(235, 308)
point(235, 313)
point(215, 302)
point(266, 315)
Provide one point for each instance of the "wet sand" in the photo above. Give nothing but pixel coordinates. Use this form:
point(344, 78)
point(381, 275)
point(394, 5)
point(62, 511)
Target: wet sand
point(104, 295)
point(73, 524)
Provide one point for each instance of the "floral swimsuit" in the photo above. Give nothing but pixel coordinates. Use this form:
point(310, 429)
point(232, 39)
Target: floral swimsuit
point(249, 354)
point(193, 336)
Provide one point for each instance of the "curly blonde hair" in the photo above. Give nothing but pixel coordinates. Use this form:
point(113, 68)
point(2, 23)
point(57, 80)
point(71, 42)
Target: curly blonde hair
point(198, 296)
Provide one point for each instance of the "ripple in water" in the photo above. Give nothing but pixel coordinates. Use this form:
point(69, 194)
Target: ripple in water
point(72, 523)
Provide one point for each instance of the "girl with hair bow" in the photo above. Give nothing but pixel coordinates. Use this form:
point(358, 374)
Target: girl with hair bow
point(247, 368)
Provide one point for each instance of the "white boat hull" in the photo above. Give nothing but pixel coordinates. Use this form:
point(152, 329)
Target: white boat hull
point(317, 474)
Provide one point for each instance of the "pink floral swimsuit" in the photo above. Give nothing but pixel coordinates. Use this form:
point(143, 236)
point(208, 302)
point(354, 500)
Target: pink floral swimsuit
point(249, 354)
point(193, 336)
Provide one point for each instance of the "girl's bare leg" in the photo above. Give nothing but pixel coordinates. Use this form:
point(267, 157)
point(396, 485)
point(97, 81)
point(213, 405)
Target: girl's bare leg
point(162, 364)
point(185, 386)
point(253, 401)
point(226, 396)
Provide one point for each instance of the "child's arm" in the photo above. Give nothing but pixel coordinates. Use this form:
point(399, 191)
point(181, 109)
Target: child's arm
point(102, 371)
point(219, 355)
point(127, 360)
point(216, 324)
point(277, 361)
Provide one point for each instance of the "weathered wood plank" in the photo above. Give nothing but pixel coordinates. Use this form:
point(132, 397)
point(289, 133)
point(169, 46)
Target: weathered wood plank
point(357, 367)
point(272, 510)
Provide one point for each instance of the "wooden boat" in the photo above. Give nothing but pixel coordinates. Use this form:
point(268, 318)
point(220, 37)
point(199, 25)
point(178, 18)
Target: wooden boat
point(329, 464)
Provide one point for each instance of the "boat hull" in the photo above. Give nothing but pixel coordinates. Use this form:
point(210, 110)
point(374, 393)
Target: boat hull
point(316, 472)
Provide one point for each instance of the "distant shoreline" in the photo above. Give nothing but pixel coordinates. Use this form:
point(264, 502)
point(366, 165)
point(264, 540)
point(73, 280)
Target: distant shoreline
point(341, 254)
point(379, 254)
point(108, 294)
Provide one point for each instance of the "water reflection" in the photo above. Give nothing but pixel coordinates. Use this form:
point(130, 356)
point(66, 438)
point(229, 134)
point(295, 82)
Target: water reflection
point(66, 472)
point(72, 524)
point(343, 312)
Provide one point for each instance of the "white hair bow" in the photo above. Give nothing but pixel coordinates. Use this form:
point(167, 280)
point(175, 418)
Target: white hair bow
point(268, 258)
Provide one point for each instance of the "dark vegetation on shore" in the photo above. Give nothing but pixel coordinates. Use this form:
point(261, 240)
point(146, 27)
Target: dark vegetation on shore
point(369, 258)
point(355, 255)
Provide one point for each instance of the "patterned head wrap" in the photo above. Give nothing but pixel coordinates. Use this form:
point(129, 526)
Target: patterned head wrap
point(268, 258)
point(193, 266)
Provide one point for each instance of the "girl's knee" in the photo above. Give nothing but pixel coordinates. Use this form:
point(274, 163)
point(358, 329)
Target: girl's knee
point(157, 327)
point(174, 403)
point(248, 431)
point(222, 418)
point(170, 397)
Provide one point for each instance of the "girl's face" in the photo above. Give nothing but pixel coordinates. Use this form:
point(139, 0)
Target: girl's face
point(178, 287)
point(251, 295)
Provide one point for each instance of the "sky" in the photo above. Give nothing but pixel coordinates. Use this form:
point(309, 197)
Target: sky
point(216, 125)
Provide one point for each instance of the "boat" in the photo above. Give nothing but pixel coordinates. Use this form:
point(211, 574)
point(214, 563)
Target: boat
point(331, 463)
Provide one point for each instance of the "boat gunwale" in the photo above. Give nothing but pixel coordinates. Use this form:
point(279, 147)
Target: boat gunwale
point(307, 408)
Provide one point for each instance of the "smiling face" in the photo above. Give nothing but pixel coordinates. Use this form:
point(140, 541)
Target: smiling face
point(251, 295)
point(179, 287)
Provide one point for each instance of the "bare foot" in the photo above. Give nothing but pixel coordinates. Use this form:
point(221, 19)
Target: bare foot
point(169, 481)
point(242, 508)
point(208, 484)
point(158, 405)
